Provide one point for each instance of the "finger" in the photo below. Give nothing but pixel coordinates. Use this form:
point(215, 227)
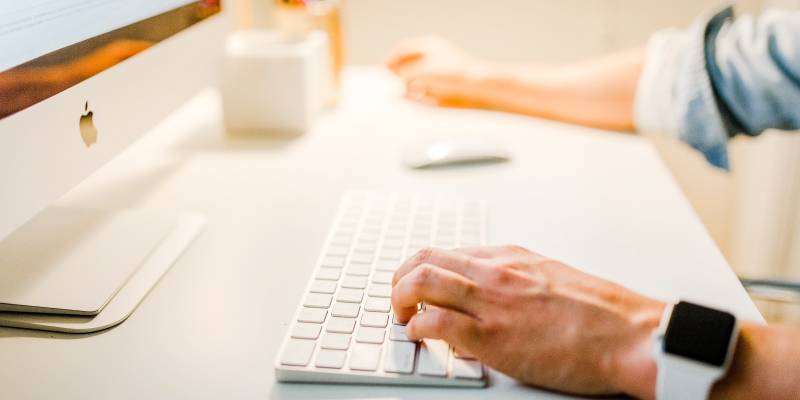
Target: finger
point(403, 51)
point(457, 262)
point(416, 90)
point(486, 252)
point(453, 327)
point(396, 63)
point(420, 91)
point(478, 251)
point(432, 285)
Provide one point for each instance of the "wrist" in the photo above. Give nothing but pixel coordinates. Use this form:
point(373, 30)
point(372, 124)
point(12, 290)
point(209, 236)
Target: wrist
point(636, 371)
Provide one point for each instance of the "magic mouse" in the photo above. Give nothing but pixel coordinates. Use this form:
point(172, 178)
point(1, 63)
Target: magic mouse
point(453, 150)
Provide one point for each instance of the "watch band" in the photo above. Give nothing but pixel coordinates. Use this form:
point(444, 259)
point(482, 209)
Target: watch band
point(677, 382)
point(693, 348)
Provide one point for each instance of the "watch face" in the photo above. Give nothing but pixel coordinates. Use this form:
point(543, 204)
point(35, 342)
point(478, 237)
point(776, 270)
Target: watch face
point(699, 333)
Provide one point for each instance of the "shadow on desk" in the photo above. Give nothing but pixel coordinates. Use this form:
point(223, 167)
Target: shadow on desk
point(214, 137)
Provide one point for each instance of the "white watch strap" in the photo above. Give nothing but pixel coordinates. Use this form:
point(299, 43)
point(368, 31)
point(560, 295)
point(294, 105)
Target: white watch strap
point(679, 380)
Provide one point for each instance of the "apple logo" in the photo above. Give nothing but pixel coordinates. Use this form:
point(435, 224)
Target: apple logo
point(88, 132)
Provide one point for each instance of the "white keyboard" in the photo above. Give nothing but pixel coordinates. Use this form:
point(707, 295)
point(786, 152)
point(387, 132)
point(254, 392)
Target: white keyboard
point(344, 331)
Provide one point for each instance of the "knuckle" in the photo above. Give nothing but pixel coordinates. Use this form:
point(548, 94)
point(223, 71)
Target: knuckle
point(439, 322)
point(470, 290)
point(424, 255)
point(487, 327)
point(503, 273)
point(422, 275)
point(512, 248)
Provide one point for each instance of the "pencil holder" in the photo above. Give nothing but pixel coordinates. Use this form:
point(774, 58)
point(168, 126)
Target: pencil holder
point(274, 82)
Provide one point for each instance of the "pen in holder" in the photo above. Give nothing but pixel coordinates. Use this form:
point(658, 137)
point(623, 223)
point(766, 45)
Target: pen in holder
point(299, 17)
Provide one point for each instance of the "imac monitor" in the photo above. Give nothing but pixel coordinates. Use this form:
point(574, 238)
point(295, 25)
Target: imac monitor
point(79, 81)
point(82, 79)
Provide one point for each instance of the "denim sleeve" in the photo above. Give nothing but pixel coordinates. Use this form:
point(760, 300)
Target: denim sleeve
point(736, 77)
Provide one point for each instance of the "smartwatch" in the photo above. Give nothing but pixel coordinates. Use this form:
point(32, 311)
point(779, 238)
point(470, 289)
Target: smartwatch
point(693, 348)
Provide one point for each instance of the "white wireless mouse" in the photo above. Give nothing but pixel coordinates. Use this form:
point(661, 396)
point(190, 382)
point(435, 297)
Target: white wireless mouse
point(453, 150)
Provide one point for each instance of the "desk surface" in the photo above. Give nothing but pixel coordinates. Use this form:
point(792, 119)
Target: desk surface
point(602, 202)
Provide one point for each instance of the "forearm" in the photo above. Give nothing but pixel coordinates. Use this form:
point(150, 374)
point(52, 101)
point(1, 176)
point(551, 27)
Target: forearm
point(598, 92)
point(766, 365)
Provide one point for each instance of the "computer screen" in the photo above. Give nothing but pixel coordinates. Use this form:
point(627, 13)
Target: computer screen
point(48, 46)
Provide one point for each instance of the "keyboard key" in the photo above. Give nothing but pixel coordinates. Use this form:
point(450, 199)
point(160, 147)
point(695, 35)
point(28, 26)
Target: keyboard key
point(447, 244)
point(330, 359)
point(422, 224)
point(375, 320)
point(317, 300)
point(387, 265)
point(369, 335)
point(368, 237)
point(329, 274)
point(378, 304)
point(396, 234)
point(354, 282)
point(393, 243)
point(446, 231)
point(394, 320)
point(313, 315)
point(337, 251)
point(398, 333)
point(365, 248)
point(358, 269)
point(373, 227)
point(319, 286)
point(362, 258)
point(333, 262)
point(419, 241)
point(297, 352)
point(397, 224)
point(467, 369)
point(400, 357)
point(335, 341)
point(470, 228)
point(350, 295)
point(365, 357)
point(470, 240)
point(306, 331)
point(463, 354)
point(342, 240)
point(348, 310)
point(389, 254)
point(382, 277)
point(433, 357)
point(380, 290)
point(341, 325)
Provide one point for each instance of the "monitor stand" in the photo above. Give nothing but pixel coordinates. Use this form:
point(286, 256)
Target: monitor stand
point(77, 271)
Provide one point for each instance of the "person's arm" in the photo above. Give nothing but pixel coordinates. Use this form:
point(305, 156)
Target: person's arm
point(549, 325)
point(596, 92)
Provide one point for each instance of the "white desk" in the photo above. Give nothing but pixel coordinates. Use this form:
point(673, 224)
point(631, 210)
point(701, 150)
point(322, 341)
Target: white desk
point(602, 202)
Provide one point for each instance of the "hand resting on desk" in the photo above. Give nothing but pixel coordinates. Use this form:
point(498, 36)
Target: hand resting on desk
point(547, 324)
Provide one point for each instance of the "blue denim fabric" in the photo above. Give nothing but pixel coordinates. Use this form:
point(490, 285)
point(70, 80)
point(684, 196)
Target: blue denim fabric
point(737, 77)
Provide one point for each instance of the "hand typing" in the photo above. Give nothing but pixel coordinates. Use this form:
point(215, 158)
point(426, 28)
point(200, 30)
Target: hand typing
point(532, 318)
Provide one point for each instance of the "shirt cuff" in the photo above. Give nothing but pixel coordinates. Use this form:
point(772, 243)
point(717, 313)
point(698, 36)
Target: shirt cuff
point(652, 103)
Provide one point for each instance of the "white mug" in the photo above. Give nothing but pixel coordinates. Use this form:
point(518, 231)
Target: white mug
point(273, 82)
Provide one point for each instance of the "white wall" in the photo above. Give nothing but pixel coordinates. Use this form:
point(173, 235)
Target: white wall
point(750, 212)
